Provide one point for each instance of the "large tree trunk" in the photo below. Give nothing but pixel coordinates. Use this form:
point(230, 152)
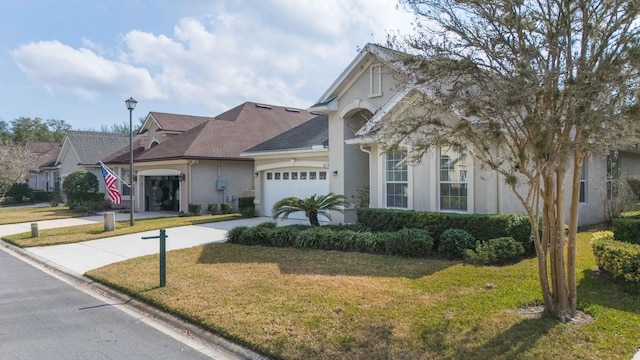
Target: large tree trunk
point(313, 218)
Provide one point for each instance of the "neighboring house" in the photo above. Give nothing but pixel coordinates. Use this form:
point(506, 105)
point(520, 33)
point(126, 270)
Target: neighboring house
point(83, 150)
point(44, 175)
point(367, 94)
point(294, 163)
point(179, 159)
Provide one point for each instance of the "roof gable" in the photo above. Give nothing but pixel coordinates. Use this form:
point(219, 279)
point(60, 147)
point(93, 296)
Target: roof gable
point(46, 152)
point(91, 147)
point(369, 54)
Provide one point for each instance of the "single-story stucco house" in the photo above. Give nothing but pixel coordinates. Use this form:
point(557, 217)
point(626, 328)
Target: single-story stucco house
point(181, 159)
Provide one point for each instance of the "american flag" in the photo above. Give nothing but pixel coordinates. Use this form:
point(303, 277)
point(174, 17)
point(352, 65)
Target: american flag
point(110, 183)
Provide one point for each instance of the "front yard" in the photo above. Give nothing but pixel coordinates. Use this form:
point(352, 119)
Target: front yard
point(300, 304)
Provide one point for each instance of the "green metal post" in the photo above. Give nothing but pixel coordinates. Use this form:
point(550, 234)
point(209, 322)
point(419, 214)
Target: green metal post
point(163, 258)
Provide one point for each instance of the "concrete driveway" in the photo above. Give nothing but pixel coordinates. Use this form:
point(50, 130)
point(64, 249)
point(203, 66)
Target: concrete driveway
point(81, 257)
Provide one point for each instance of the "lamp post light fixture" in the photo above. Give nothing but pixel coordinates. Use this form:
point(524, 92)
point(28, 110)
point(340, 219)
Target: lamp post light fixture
point(131, 104)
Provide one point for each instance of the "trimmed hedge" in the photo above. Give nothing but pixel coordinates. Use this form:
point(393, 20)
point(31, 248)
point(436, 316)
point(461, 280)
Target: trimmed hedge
point(626, 229)
point(406, 242)
point(620, 259)
point(454, 242)
point(246, 206)
point(482, 226)
point(498, 251)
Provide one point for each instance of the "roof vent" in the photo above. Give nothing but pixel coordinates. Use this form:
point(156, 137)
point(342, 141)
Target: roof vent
point(292, 110)
point(263, 106)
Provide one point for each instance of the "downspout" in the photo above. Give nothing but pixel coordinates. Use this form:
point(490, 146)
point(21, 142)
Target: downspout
point(191, 163)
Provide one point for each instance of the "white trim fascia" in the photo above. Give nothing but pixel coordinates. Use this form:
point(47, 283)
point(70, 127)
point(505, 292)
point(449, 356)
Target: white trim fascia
point(353, 77)
point(294, 163)
point(157, 162)
point(287, 153)
point(367, 140)
point(150, 118)
point(345, 73)
point(326, 108)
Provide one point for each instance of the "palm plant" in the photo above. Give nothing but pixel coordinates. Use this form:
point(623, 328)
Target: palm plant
point(311, 206)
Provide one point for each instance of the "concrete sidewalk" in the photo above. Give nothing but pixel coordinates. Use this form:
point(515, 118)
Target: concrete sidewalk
point(81, 257)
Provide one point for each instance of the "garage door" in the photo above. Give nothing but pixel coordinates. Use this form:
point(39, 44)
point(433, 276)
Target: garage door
point(299, 183)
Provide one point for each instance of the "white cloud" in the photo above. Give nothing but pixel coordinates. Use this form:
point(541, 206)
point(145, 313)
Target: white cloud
point(283, 52)
point(58, 66)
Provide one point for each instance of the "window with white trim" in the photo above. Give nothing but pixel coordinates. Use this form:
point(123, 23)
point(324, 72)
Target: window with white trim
point(397, 179)
point(375, 73)
point(453, 179)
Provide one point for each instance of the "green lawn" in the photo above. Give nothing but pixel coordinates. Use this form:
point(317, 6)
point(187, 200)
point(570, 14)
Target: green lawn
point(73, 234)
point(22, 215)
point(300, 304)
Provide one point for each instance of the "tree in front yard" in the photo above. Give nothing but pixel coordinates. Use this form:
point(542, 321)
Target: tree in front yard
point(529, 88)
point(312, 206)
point(15, 162)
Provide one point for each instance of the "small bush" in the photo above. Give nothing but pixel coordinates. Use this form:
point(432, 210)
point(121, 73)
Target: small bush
point(267, 225)
point(316, 237)
point(81, 186)
point(195, 209)
point(255, 236)
point(40, 196)
point(83, 207)
point(408, 242)
point(498, 251)
point(233, 235)
point(55, 199)
point(246, 206)
point(282, 237)
point(620, 259)
point(18, 191)
point(454, 242)
point(212, 208)
point(626, 229)
point(226, 208)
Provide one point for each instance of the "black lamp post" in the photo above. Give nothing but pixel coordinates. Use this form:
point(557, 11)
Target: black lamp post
point(131, 104)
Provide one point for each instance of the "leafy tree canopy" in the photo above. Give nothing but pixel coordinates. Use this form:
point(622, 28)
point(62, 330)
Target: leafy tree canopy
point(529, 88)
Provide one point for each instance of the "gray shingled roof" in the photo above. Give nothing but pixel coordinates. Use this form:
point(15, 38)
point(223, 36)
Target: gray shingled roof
point(91, 147)
point(312, 132)
point(46, 152)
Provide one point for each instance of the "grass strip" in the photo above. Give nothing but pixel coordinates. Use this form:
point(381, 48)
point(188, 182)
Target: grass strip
point(74, 234)
point(299, 304)
point(22, 215)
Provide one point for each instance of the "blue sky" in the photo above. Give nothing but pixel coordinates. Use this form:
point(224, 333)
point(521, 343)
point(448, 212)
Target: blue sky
point(79, 60)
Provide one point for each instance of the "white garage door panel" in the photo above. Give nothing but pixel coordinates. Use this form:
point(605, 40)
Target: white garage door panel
point(301, 183)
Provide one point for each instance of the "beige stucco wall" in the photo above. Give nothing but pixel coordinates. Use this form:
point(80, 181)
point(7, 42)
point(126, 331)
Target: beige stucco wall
point(350, 162)
point(205, 174)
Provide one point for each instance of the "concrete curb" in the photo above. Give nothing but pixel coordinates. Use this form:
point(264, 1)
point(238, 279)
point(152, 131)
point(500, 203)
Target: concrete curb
point(178, 324)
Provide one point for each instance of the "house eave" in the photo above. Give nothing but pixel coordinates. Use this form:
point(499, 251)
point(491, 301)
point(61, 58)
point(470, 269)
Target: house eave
point(317, 149)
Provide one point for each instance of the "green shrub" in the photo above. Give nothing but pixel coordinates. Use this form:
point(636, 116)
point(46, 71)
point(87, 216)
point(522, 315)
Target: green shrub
point(481, 226)
point(226, 208)
point(620, 259)
point(40, 196)
point(282, 237)
point(18, 191)
point(195, 209)
point(267, 225)
point(316, 237)
point(79, 186)
point(498, 251)
point(408, 242)
point(626, 229)
point(212, 208)
point(246, 206)
point(56, 199)
point(233, 235)
point(351, 227)
point(82, 207)
point(255, 236)
point(454, 242)
point(631, 214)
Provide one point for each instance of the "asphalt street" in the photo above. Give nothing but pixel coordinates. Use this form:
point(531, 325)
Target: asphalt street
point(42, 317)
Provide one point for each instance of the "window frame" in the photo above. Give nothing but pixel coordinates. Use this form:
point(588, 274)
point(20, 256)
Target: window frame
point(390, 178)
point(463, 181)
